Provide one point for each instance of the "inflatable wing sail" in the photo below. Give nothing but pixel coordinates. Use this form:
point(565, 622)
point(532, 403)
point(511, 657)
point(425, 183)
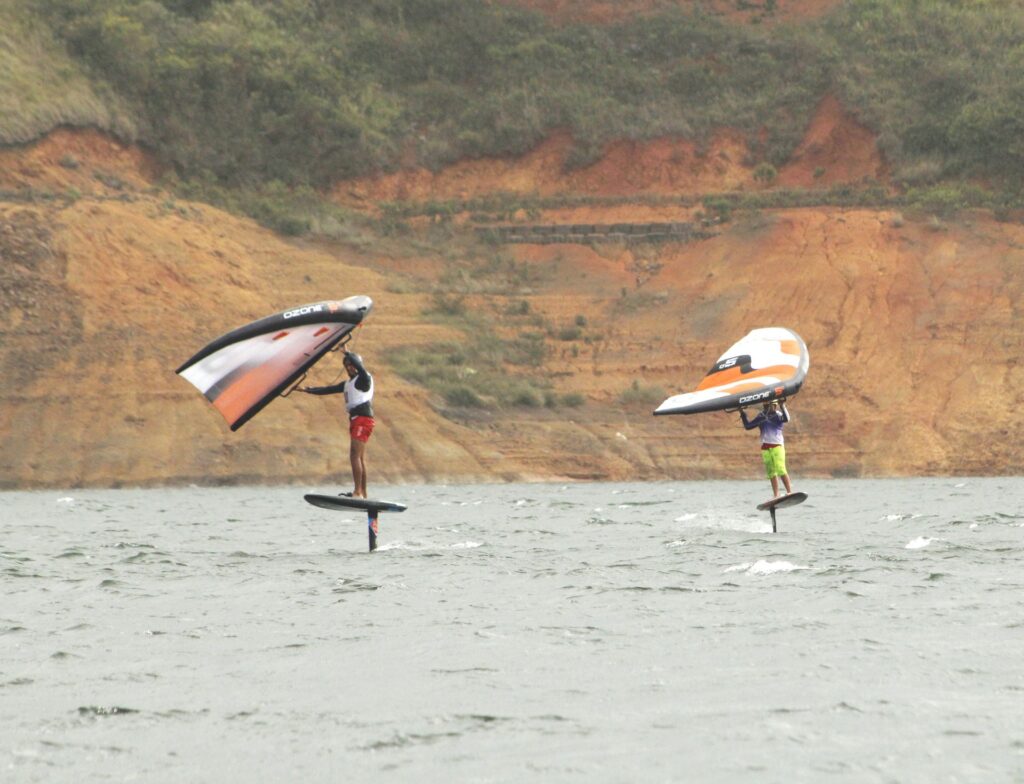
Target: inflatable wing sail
point(767, 364)
point(242, 371)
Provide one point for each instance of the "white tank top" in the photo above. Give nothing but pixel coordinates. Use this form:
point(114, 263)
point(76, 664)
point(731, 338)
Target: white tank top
point(356, 397)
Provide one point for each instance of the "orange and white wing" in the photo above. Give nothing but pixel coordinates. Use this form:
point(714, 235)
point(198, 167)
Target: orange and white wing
point(767, 364)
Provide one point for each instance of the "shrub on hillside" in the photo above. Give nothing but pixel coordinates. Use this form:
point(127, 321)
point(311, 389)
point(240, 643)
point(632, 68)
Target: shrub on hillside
point(638, 393)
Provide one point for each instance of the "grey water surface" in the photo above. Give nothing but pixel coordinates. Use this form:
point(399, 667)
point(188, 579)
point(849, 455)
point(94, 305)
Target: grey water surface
point(523, 632)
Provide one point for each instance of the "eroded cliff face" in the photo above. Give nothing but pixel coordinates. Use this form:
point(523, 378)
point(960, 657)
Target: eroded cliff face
point(108, 284)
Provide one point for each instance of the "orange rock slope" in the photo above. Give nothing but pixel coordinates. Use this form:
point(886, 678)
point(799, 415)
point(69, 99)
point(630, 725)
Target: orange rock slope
point(914, 328)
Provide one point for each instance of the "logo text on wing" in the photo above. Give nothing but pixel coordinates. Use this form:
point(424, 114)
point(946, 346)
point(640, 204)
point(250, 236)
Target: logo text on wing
point(755, 397)
point(303, 311)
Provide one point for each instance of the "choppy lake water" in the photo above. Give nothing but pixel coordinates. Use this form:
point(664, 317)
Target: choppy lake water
point(506, 633)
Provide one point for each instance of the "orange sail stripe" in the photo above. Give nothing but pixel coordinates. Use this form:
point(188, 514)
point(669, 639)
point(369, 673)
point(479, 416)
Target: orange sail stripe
point(745, 387)
point(782, 372)
point(238, 398)
point(790, 347)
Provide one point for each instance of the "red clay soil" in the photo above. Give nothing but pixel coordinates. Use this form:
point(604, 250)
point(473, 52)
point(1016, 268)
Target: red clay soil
point(836, 149)
point(85, 160)
point(627, 168)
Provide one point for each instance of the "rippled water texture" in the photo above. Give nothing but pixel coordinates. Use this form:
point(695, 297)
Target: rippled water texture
point(633, 633)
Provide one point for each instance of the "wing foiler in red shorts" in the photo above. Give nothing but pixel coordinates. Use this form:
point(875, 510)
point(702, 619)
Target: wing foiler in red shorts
point(360, 428)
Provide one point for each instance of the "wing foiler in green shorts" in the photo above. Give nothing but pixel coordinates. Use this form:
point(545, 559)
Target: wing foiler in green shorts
point(774, 461)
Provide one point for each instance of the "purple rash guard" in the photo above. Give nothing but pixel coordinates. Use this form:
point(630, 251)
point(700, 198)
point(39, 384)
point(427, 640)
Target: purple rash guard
point(770, 424)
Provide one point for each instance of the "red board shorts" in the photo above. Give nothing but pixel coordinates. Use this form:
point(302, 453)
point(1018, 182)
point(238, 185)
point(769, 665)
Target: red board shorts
point(360, 428)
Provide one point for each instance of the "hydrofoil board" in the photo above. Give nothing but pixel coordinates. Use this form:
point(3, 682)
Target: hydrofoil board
point(782, 501)
point(344, 502)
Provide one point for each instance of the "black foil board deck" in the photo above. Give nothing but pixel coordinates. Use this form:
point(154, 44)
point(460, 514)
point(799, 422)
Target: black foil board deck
point(345, 503)
point(783, 501)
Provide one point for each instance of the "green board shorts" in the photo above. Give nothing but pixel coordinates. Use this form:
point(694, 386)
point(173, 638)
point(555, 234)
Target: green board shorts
point(774, 461)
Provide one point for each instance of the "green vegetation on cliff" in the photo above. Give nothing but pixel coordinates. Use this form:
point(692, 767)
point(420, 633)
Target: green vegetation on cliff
point(306, 92)
point(941, 81)
point(42, 87)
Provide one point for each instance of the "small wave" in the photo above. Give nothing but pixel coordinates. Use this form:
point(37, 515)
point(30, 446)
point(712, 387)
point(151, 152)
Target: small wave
point(717, 521)
point(763, 567)
point(676, 543)
point(918, 543)
point(422, 546)
point(562, 504)
point(104, 710)
point(182, 714)
point(351, 586)
point(464, 723)
point(137, 558)
point(846, 706)
point(482, 718)
point(401, 740)
point(399, 545)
